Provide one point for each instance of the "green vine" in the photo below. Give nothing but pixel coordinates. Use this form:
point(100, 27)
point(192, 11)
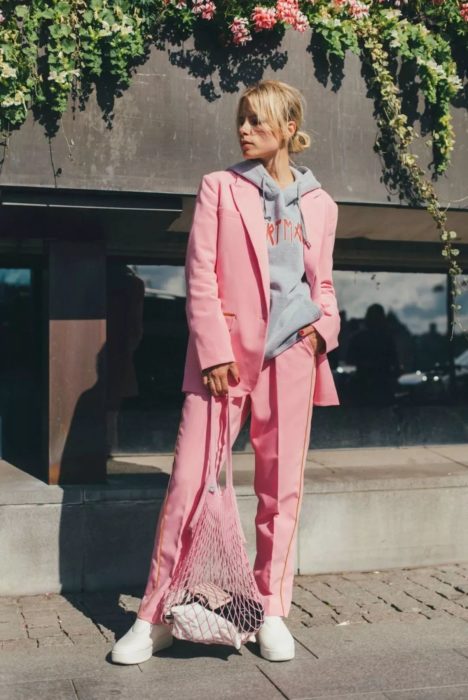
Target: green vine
point(52, 49)
point(393, 144)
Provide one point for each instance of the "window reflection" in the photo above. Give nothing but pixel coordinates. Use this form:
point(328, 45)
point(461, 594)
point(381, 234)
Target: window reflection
point(20, 366)
point(146, 343)
point(399, 378)
point(394, 344)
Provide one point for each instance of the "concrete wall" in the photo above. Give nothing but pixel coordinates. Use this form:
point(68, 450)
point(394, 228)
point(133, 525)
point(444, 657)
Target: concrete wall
point(172, 126)
point(362, 510)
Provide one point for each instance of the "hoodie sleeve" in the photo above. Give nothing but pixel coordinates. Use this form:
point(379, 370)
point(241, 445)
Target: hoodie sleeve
point(205, 318)
point(328, 325)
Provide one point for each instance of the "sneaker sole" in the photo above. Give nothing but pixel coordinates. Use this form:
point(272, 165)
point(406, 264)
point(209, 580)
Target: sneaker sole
point(138, 657)
point(272, 655)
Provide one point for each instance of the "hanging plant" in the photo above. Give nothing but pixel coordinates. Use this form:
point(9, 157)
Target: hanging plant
point(51, 49)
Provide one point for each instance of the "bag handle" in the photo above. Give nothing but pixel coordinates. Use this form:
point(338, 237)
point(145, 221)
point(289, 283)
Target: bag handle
point(212, 481)
point(227, 443)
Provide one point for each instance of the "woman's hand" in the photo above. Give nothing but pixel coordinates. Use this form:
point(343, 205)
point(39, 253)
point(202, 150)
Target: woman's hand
point(216, 377)
point(316, 340)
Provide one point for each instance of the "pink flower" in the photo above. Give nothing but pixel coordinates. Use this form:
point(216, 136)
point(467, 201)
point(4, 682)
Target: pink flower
point(358, 9)
point(464, 11)
point(301, 22)
point(2, 17)
point(205, 8)
point(288, 11)
point(240, 30)
point(263, 17)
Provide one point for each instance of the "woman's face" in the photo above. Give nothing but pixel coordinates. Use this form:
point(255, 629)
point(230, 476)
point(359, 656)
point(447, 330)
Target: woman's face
point(256, 138)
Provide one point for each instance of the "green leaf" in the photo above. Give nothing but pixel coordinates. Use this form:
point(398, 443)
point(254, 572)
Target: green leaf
point(68, 45)
point(21, 11)
point(63, 8)
point(48, 13)
point(60, 30)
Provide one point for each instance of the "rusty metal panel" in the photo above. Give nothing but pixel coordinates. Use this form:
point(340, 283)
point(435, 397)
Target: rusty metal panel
point(77, 368)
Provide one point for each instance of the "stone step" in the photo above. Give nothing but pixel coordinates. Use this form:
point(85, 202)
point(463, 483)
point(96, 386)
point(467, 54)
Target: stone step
point(362, 509)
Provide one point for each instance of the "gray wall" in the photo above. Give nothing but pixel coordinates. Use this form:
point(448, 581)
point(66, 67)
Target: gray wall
point(166, 132)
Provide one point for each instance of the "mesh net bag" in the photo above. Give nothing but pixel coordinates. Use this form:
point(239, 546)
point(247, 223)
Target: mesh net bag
point(213, 597)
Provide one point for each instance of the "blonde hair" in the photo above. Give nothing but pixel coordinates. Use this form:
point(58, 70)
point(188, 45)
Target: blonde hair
point(277, 103)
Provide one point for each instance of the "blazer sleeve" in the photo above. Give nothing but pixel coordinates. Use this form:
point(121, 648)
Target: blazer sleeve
point(206, 322)
point(328, 325)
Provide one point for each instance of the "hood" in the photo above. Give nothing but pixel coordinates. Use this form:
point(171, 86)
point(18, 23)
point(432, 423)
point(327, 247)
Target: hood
point(254, 170)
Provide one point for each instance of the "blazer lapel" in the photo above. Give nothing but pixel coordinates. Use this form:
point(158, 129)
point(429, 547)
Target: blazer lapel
point(311, 211)
point(249, 204)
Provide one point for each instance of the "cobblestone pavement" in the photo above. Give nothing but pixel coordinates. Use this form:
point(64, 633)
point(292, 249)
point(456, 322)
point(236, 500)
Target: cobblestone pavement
point(410, 595)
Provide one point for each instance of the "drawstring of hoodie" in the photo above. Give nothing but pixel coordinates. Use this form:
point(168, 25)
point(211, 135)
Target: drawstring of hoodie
point(297, 202)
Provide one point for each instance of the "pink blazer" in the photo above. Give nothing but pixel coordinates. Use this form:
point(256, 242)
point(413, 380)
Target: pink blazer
point(228, 285)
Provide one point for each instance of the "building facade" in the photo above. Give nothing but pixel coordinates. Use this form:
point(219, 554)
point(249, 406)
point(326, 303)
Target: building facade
point(93, 231)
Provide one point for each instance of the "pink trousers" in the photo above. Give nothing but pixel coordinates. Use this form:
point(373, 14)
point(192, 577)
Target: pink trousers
point(281, 414)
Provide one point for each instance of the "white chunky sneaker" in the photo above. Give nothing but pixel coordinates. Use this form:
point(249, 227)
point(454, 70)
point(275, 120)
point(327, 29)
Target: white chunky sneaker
point(140, 642)
point(276, 641)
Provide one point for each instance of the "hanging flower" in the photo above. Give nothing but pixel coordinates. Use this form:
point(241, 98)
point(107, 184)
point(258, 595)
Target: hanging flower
point(288, 11)
point(240, 30)
point(205, 8)
point(301, 22)
point(358, 9)
point(263, 17)
point(2, 17)
point(464, 11)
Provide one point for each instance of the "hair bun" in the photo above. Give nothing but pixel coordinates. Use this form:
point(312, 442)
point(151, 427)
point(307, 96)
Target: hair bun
point(299, 142)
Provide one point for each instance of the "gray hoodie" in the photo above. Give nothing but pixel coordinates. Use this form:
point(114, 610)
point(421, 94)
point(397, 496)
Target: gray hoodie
point(291, 306)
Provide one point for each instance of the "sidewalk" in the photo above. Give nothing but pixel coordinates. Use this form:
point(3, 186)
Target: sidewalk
point(400, 634)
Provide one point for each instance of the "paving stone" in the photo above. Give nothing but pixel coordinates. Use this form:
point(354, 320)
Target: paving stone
point(451, 576)
point(308, 601)
point(353, 696)
point(249, 683)
point(65, 661)
point(12, 631)
point(43, 621)
point(452, 692)
point(324, 593)
point(60, 642)
point(9, 614)
point(80, 628)
point(367, 672)
point(88, 639)
point(41, 632)
point(15, 645)
point(377, 613)
point(42, 690)
point(350, 618)
point(386, 637)
point(355, 592)
point(361, 575)
point(460, 649)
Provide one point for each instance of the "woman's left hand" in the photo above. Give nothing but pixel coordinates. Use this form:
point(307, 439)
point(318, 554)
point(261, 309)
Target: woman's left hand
point(316, 340)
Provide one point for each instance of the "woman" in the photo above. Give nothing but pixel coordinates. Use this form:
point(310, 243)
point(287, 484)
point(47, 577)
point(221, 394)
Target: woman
point(262, 316)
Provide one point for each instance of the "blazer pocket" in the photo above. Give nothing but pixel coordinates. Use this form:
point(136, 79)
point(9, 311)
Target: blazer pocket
point(230, 319)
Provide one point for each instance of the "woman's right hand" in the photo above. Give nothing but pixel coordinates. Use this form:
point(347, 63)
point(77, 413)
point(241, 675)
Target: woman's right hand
point(216, 377)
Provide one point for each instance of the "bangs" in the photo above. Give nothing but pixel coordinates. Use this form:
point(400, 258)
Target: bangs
point(267, 103)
